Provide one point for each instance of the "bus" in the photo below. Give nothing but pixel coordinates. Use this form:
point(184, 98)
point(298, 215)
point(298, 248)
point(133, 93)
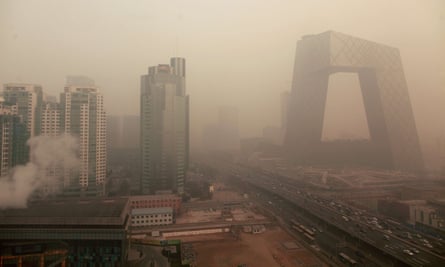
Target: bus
point(309, 232)
point(298, 229)
point(346, 259)
point(306, 230)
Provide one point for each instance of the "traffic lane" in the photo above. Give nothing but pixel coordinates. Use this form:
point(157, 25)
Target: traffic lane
point(303, 202)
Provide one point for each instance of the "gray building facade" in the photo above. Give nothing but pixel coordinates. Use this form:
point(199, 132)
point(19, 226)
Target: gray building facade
point(164, 128)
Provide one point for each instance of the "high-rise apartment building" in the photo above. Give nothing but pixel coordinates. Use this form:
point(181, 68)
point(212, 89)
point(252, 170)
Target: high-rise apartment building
point(13, 137)
point(83, 116)
point(164, 128)
point(52, 176)
point(50, 119)
point(28, 98)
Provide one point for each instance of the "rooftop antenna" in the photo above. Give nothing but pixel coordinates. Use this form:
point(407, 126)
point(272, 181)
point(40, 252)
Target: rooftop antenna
point(178, 20)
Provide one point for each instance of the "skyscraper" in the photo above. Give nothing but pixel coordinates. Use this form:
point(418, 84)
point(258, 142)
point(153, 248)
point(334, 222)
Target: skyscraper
point(164, 128)
point(394, 141)
point(50, 119)
point(52, 176)
point(28, 98)
point(13, 137)
point(83, 116)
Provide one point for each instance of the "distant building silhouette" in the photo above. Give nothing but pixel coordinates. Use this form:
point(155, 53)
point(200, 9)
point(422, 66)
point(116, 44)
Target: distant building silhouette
point(285, 97)
point(394, 142)
point(229, 128)
point(123, 132)
point(223, 135)
point(79, 80)
point(131, 131)
point(274, 134)
point(52, 177)
point(114, 132)
point(164, 128)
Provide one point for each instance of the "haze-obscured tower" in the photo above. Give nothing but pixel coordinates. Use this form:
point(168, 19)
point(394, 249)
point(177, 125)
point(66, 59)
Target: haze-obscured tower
point(79, 80)
point(394, 142)
point(83, 116)
point(284, 101)
point(228, 127)
point(164, 128)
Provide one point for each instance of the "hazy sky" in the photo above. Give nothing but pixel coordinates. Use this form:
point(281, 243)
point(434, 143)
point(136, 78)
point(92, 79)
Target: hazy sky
point(238, 53)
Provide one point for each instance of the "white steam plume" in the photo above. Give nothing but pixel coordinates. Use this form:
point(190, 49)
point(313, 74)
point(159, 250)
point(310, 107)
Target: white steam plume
point(46, 152)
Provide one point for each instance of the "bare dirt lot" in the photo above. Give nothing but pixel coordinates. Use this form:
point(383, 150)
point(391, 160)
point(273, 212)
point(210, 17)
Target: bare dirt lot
point(265, 249)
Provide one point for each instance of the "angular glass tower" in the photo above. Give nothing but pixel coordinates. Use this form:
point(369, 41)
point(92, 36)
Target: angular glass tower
point(164, 128)
point(394, 142)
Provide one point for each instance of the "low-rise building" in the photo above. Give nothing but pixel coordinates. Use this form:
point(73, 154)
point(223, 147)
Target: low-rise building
point(94, 231)
point(426, 215)
point(141, 217)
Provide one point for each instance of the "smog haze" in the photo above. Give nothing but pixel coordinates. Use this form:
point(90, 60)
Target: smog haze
point(239, 53)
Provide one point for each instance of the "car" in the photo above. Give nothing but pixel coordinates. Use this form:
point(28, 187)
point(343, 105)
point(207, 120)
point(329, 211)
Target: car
point(386, 237)
point(407, 251)
point(415, 250)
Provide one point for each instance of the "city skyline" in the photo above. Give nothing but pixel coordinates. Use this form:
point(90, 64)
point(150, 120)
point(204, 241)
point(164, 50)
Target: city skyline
point(222, 133)
point(241, 57)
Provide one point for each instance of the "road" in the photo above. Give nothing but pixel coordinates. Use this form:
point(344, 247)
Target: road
point(361, 225)
point(404, 246)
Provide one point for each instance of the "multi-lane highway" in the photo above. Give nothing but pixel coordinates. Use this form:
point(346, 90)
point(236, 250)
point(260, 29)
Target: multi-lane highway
point(405, 246)
point(382, 237)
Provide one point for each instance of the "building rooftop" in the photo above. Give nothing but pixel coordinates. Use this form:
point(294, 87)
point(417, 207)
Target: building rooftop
point(145, 211)
point(160, 196)
point(69, 212)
